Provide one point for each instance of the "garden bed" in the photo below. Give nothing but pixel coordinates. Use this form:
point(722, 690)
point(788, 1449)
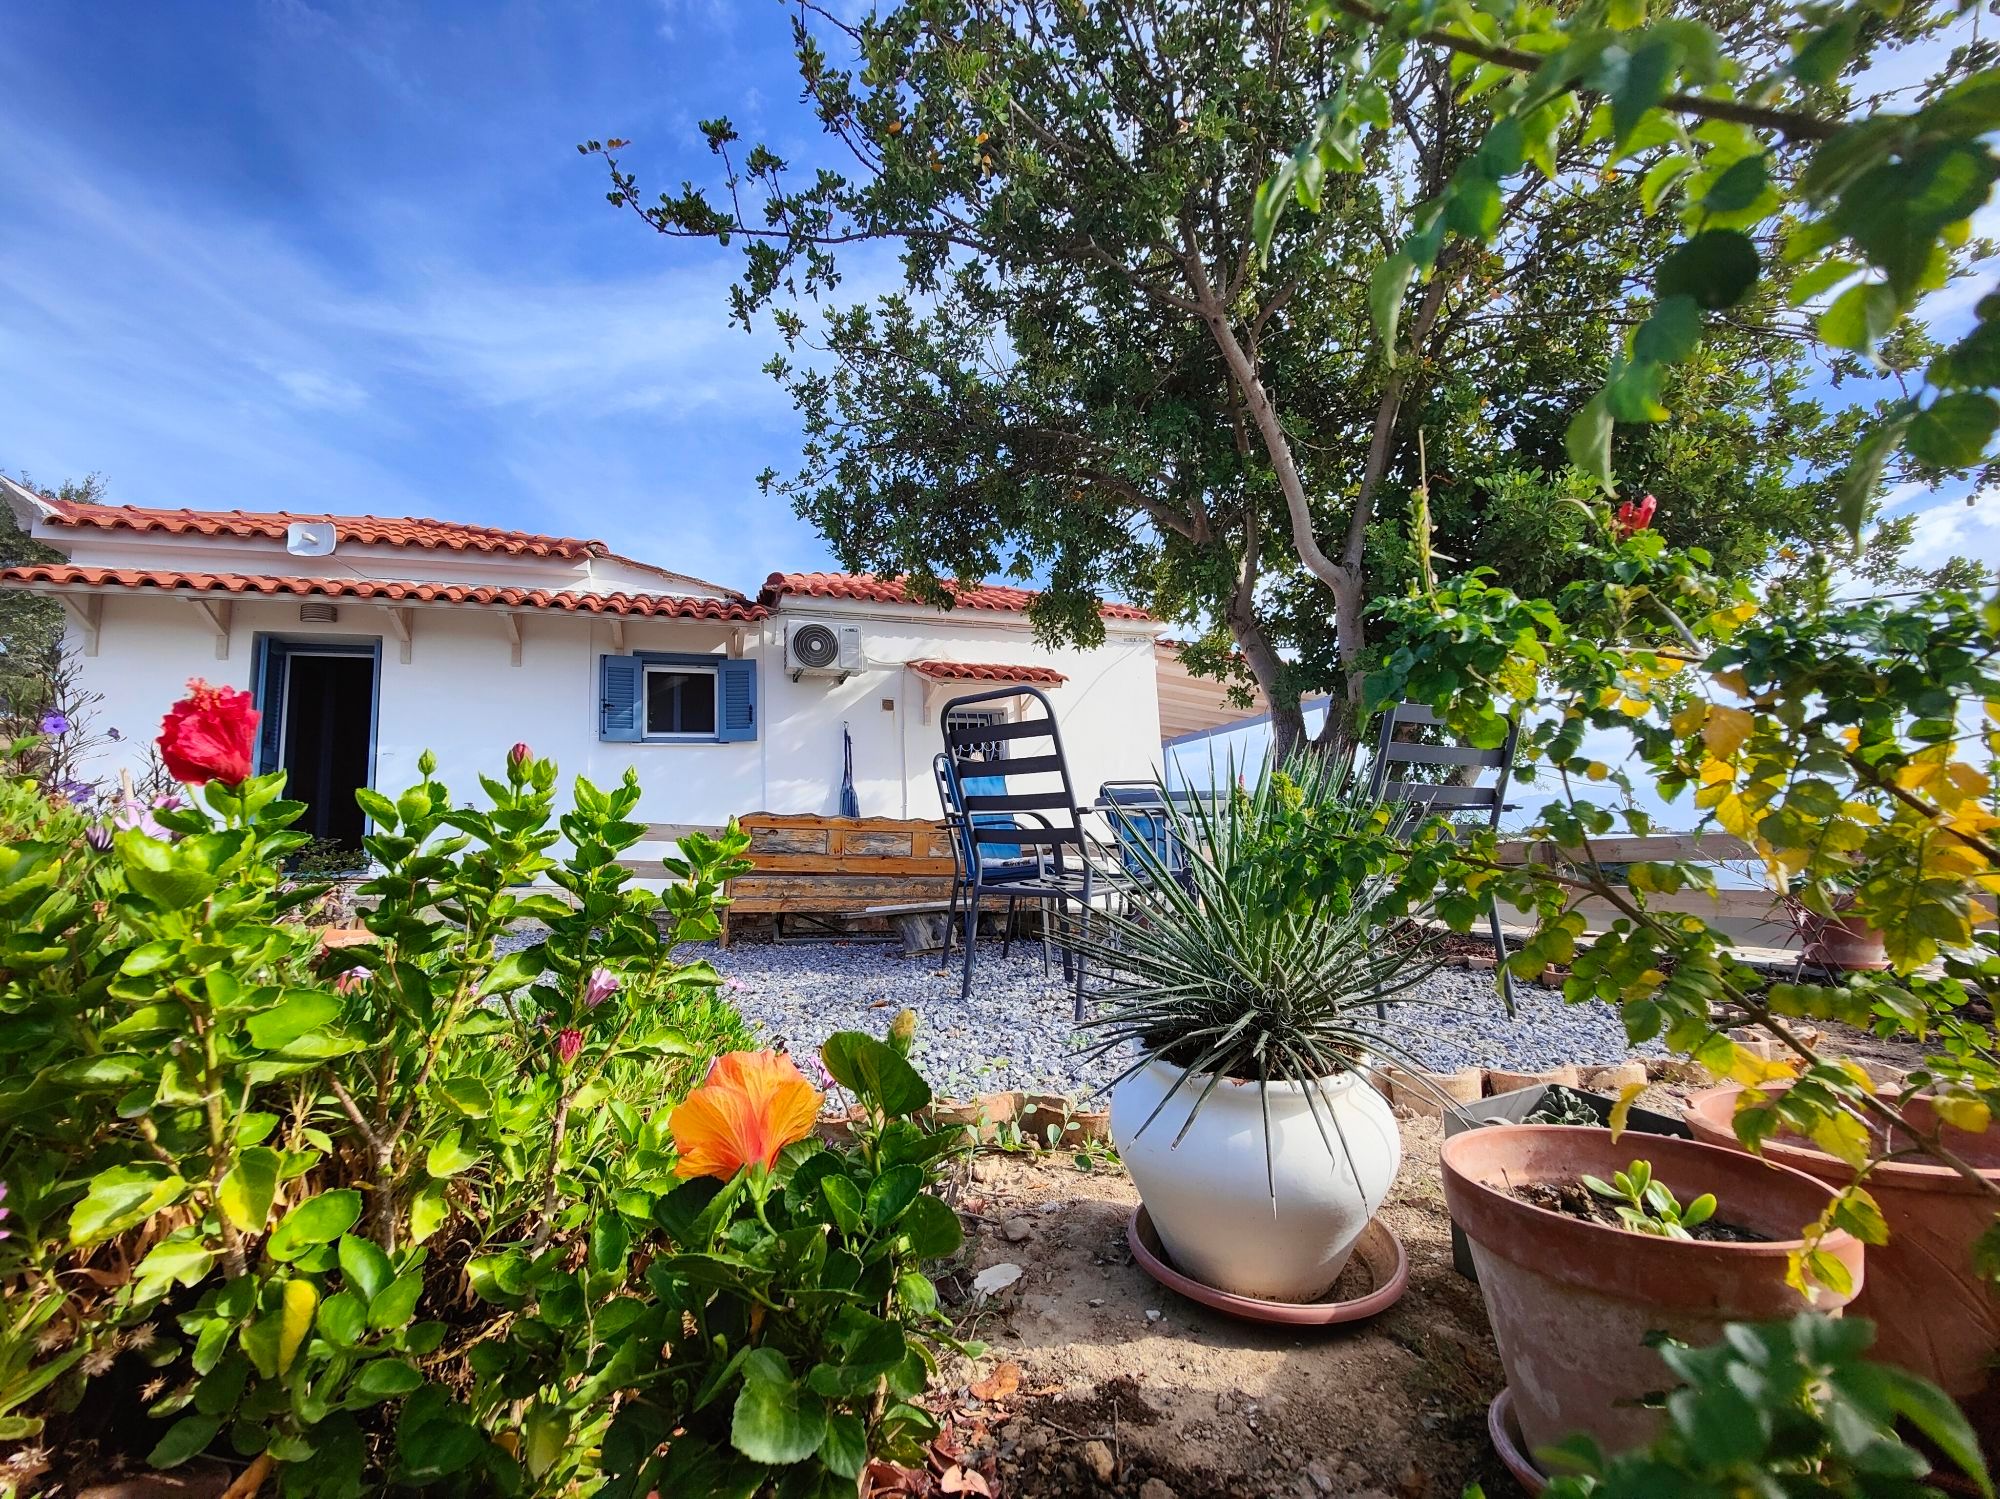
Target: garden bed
point(1121, 1387)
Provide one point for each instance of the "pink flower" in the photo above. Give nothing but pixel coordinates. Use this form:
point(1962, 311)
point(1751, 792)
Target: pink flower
point(603, 984)
point(734, 986)
point(1635, 518)
point(128, 812)
point(351, 980)
point(568, 1043)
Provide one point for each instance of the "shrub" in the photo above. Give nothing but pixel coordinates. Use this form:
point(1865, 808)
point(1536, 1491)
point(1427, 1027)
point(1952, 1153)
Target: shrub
point(421, 1211)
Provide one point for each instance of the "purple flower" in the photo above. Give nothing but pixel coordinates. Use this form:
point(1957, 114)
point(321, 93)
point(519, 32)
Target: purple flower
point(114, 735)
point(603, 984)
point(129, 813)
point(815, 1071)
point(3, 1209)
point(98, 836)
point(167, 801)
point(77, 792)
point(351, 980)
point(55, 723)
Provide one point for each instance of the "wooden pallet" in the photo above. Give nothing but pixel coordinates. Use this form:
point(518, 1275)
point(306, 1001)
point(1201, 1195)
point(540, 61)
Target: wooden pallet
point(838, 866)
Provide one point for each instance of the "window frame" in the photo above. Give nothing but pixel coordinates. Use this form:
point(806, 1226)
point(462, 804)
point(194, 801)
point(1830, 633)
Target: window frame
point(648, 664)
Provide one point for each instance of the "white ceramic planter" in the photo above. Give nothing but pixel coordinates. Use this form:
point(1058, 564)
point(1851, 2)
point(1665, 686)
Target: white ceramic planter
point(1209, 1198)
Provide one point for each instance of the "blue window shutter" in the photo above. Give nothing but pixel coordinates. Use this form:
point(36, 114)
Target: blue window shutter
point(736, 700)
point(620, 712)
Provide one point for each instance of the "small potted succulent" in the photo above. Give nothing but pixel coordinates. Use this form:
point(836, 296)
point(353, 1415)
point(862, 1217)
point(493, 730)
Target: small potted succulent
point(1249, 996)
point(1586, 1256)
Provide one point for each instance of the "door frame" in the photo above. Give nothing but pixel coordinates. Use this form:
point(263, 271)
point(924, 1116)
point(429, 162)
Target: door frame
point(269, 656)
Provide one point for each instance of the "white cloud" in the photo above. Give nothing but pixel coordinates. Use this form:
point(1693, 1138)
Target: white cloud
point(1958, 528)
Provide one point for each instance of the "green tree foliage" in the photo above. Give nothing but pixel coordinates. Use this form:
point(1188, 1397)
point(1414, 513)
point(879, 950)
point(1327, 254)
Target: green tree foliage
point(1092, 371)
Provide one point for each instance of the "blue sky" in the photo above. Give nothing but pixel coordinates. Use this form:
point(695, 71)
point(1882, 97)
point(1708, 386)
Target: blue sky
point(282, 255)
point(330, 256)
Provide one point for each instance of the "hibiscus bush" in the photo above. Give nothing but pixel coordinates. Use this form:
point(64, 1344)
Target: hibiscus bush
point(425, 1205)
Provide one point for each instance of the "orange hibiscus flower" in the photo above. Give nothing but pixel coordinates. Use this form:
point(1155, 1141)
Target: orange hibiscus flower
point(751, 1106)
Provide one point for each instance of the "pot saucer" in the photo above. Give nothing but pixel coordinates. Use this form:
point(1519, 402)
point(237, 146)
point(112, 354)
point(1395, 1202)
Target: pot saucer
point(1378, 1251)
point(1505, 1434)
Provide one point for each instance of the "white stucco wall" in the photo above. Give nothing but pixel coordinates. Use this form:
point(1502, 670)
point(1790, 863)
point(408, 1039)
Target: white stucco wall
point(459, 697)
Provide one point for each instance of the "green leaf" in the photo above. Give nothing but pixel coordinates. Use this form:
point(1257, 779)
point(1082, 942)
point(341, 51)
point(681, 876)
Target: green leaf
point(397, 1303)
point(1386, 285)
point(381, 811)
point(1857, 486)
point(891, 1192)
point(1858, 316)
point(121, 1197)
point(1953, 431)
point(515, 971)
point(1932, 1412)
point(469, 1096)
point(343, 1320)
point(1670, 334)
point(1588, 440)
point(1660, 176)
point(776, 1420)
point(1643, 83)
point(1819, 278)
point(428, 1210)
point(317, 1220)
point(450, 1156)
point(932, 1227)
point(844, 1198)
point(364, 1266)
point(1738, 187)
point(382, 1379)
point(1717, 268)
point(844, 1449)
point(297, 1012)
point(872, 1070)
point(186, 1438)
point(246, 1192)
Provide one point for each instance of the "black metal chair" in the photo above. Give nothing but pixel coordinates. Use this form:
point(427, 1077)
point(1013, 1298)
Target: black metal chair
point(1447, 797)
point(1139, 813)
point(1020, 842)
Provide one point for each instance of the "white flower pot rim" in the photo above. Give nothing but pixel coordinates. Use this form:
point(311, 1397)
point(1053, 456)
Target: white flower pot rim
point(1333, 1082)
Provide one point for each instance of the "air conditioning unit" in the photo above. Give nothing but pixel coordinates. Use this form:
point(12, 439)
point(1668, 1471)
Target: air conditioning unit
point(814, 648)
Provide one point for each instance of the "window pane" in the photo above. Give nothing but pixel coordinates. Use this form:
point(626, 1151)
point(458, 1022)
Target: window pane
point(679, 702)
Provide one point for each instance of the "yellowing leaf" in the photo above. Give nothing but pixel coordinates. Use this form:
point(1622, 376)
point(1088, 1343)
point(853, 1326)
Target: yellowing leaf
point(1733, 680)
point(1843, 1136)
point(1964, 1111)
point(1621, 1109)
point(1725, 731)
point(1690, 718)
point(301, 1301)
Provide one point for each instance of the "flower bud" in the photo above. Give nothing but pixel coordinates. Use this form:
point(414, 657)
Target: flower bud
point(902, 1031)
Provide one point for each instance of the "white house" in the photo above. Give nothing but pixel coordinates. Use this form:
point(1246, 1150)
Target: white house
point(368, 640)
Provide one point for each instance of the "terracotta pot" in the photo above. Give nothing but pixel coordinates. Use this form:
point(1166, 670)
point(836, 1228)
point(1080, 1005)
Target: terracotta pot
point(1933, 1315)
point(1571, 1302)
point(983, 1115)
point(1849, 942)
point(1072, 1122)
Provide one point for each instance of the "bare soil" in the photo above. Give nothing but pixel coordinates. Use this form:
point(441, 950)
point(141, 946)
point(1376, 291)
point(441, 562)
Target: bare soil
point(1100, 1381)
point(1578, 1201)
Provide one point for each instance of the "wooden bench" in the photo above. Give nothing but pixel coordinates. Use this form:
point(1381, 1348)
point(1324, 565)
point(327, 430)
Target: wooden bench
point(838, 866)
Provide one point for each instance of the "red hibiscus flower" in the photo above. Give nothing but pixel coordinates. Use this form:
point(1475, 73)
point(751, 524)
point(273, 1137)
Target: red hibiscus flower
point(209, 735)
point(1634, 518)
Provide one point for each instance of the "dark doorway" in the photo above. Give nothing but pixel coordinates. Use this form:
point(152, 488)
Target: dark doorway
point(326, 745)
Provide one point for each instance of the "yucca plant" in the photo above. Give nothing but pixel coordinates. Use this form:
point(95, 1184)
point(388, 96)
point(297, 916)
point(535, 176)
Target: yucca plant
point(1248, 950)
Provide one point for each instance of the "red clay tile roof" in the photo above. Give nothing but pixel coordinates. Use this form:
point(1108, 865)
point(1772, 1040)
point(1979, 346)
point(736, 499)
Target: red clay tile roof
point(372, 530)
point(869, 589)
point(635, 605)
point(980, 671)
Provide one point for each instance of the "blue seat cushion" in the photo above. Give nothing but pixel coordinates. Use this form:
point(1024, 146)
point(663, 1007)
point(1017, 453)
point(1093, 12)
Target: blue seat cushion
point(991, 853)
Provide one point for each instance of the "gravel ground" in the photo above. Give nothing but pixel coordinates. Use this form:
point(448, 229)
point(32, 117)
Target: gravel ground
point(1018, 1032)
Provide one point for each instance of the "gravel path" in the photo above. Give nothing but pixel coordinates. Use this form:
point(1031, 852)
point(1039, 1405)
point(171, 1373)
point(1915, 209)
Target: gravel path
point(1017, 1032)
